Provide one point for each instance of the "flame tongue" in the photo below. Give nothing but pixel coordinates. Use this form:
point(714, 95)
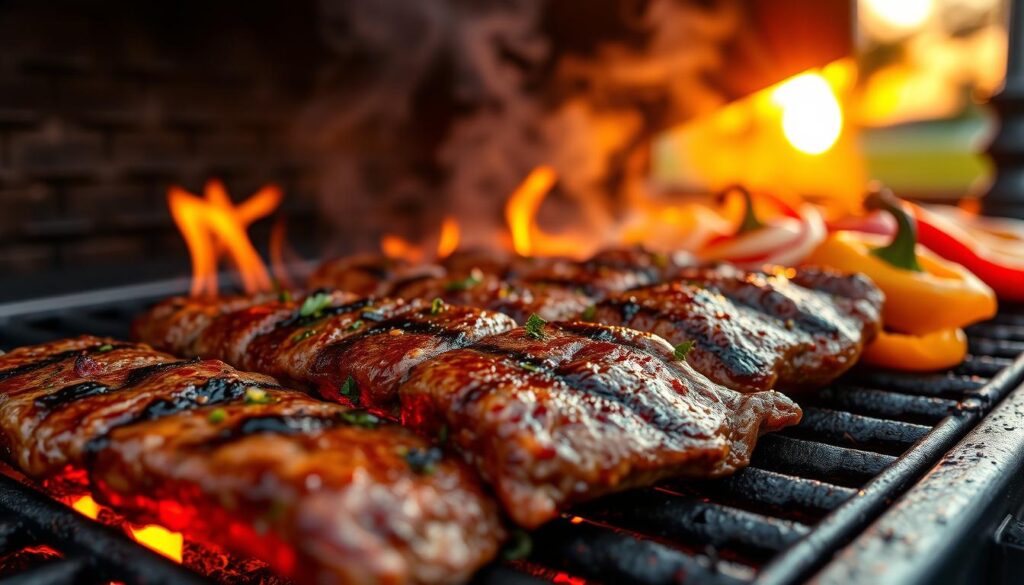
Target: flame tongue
point(212, 225)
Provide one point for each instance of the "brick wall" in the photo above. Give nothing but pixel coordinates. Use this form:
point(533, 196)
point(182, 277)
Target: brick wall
point(103, 105)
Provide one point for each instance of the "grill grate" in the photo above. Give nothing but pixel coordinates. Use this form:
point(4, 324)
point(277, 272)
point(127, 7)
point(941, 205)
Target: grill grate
point(809, 490)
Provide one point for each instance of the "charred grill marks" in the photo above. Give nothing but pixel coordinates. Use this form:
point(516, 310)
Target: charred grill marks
point(71, 393)
point(139, 375)
point(56, 358)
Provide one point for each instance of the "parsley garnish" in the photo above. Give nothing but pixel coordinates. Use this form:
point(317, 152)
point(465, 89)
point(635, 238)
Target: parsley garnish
point(350, 390)
point(436, 306)
point(359, 418)
point(475, 277)
point(518, 547)
point(218, 415)
point(314, 305)
point(530, 367)
point(423, 461)
point(442, 434)
point(589, 313)
point(535, 326)
point(105, 348)
point(682, 349)
point(356, 325)
point(256, 396)
point(305, 334)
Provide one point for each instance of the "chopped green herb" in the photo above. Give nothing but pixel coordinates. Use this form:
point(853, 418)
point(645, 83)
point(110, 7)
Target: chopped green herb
point(284, 295)
point(350, 390)
point(589, 313)
point(256, 396)
point(442, 434)
point(218, 415)
point(303, 335)
point(683, 349)
point(104, 348)
point(518, 547)
point(530, 367)
point(356, 325)
point(314, 305)
point(423, 461)
point(475, 277)
point(535, 326)
point(359, 418)
point(436, 306)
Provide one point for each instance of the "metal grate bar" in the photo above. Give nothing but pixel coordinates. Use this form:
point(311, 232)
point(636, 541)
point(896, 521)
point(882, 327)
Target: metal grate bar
point(995, 347)
point(883, 404)
point(57, 572)
point(697, 523)
point(784, 495)
point(944, 385)
point(842, 465)
point(608, 555)
point(985, 366)
point(846, 429)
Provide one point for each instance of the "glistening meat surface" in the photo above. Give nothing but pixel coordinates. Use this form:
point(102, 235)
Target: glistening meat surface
point(787, 329)
point(576, 410)
point(325, 493)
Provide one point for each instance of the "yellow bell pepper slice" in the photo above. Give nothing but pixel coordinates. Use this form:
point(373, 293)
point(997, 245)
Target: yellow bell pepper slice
point(938, 350)
point(923, 292)
point(943, 296)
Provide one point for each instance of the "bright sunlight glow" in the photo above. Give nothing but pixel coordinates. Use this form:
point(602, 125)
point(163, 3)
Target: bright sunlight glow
point(811, 117)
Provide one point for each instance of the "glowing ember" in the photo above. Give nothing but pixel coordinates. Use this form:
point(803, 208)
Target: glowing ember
point(811, 116)
point(449, 240)
point(522, 206)
point(87, 507)
point(213, 224)
point(159, 539)
point(170, 544)
point(278, 251)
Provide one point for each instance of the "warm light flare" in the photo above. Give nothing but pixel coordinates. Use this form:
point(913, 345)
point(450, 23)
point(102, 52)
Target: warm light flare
point(159, 539)
point(811, 116)
point(449, 239)
point(398, 248)
point(213, 224)
point(522, 207)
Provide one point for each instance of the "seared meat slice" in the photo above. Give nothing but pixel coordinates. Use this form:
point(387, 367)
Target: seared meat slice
point(52, 416)
point(608, 272)
point(325, 493)
point(366, 367)
point(352, 351)
point(366, 274)
point(487, 291)
point(178, 321)
point(577, 410)
point(757, 330)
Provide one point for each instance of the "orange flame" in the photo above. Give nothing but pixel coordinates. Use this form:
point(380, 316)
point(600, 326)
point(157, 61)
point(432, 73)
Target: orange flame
point(398, 248)
point(213, 224)
point(528, 239)
point(449, 239)
point(157, 538)
point(278, 251)
point(522, 206)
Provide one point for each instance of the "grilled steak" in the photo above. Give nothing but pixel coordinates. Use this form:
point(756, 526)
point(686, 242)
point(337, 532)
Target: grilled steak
point(784, 329)
point(351, 351)
point(325, 493)
point(576, 410)
point(487, 291)
point(366, 274)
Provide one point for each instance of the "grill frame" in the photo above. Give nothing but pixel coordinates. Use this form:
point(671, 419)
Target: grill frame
point(906, 423)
